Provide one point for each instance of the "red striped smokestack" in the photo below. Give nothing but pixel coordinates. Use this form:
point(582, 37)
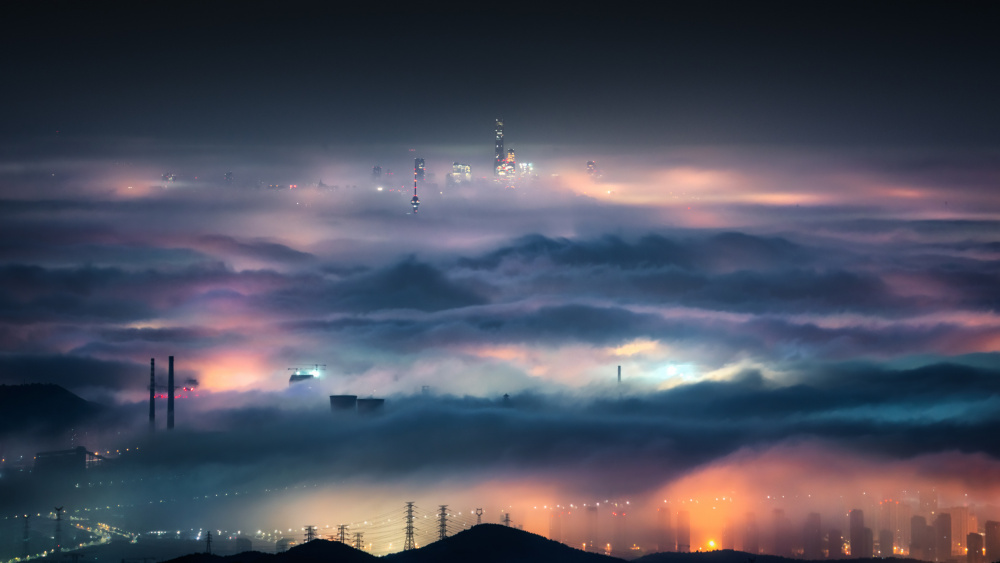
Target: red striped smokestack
point(152, 393)
point(170, 393)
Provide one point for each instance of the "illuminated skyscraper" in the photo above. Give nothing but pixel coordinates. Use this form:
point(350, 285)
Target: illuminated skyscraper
point(683, 531)
point(928, 504)
point(729, 534)
point(885, 541)
point(782, 537)
point(419, 169)
point(751, 535)
point(666, 535)
point(499, 155)
point(942, 537)
point(590, 531)
point(959, 529)
point(974, 545)
point(992, 540)
point(857, 532)
point(920, 538)
point(834, 544)
point(460, 174)
point(812, 538)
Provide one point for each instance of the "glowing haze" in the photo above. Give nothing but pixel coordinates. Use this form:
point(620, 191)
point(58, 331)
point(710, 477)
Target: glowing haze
point(808, 331)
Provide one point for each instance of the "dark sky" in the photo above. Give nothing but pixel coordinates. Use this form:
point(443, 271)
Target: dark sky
point(715, 73)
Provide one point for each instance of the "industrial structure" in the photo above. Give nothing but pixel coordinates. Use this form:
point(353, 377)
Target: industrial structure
point(300, 373)
point(343, 403)
point(190, 385)
point(170, 393)
point(370, 405)
point(351, 403)
point(66, 462)
point(152, 393)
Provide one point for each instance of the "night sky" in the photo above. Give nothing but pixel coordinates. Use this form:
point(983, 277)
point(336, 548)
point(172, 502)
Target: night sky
point(793, 251)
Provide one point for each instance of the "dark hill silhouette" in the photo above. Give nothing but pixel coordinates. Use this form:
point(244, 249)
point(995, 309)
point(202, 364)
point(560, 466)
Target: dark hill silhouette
point(324, 550)
point(316, 551)
point(493, 543)
point(42, 409)
point(730, 556)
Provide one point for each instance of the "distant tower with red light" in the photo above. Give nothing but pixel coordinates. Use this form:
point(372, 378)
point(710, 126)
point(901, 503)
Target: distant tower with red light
point(498, 156)
point(418, 164)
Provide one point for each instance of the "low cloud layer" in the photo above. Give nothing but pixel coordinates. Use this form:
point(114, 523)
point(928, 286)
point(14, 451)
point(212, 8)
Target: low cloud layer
point(774, 313)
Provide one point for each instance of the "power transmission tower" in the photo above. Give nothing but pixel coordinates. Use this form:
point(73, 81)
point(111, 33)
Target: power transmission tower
point(506, 519)
point(443, 522)
point(342, 533)
point(408, 544)
point(208, 542)
point(479, 516)
point(310, 533)
point(357, 540)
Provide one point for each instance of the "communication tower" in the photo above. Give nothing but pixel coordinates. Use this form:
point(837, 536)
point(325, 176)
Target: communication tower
point(479, 516)
point(415, 202)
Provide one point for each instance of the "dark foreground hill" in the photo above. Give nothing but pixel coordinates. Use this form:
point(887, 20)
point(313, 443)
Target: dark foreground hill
point(42, 409)
point(488, 543)
point(493, 543)
point(316, 551)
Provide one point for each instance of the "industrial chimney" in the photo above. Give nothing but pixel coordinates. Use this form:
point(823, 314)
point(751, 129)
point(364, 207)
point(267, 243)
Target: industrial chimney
point(170, 394)
point(152, 393)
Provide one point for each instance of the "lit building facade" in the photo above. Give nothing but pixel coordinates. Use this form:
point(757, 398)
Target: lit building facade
point(460, 174)
point(498, 156)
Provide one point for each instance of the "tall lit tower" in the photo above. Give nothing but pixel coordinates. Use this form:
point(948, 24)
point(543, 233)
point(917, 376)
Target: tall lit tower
point(418, 163)
point(415, 202)
point(499, 156)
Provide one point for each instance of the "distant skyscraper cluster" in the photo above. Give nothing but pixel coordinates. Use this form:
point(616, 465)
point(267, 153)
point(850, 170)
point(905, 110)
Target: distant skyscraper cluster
point(506, 169)
point(886, 528)
point(507, 172)
point(460, 174)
